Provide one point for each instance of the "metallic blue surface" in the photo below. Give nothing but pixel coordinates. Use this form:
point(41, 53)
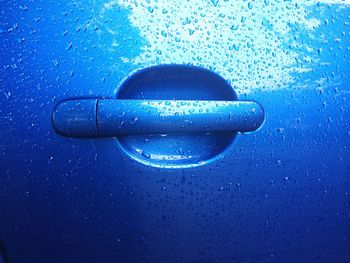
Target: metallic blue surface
point(177, 82)
point(76, 118)
point(278, 195)
point(113, 118)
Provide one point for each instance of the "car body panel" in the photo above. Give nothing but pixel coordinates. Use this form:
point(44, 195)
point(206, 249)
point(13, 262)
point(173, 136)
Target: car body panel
point(280, 194)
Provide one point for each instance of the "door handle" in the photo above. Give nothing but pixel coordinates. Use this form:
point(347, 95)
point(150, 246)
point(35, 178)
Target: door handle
point(168, 116)
point(120, 117)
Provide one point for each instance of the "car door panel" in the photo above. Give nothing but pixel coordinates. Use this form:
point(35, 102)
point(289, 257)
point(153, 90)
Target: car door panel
point(279, 194)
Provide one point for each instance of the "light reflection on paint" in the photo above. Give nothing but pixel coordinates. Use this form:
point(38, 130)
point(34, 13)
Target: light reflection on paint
point(252, 47)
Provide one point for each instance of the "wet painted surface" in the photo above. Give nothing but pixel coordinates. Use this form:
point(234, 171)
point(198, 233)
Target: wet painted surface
point(279, 195)
point(174, 82)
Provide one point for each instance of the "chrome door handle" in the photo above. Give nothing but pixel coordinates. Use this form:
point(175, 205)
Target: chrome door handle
point(119, 117)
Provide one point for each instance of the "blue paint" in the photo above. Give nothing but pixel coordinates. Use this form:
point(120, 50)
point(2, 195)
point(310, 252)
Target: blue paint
point(176, 82)
point(76, 118)
point(114, 118)
point(277, 195)
point(158, 122)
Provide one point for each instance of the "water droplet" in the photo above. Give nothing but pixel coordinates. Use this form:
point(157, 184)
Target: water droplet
point(23, 7)
point(55, 62)
point(69, 46)
point(146, 155)
point(280, 130)
point(150, 9)
point(134, 120)
point(234, 27)
point(214, 2)
point(234, 47)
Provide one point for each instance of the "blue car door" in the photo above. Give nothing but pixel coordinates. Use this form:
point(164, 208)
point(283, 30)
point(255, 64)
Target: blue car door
point(175, 131)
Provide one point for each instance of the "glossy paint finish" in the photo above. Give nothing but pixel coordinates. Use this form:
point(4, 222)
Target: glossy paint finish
point(176, 82)
point(280, 194)
point(76, 118)
point(114, 118)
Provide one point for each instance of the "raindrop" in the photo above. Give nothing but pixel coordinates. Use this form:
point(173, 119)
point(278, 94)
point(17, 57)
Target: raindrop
point(55, 62)
point(146, 155)
point(150, 9)
point(214, 2)
point(234, 27)
point(69, 46)
point(134, 120)
point(23, 7)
